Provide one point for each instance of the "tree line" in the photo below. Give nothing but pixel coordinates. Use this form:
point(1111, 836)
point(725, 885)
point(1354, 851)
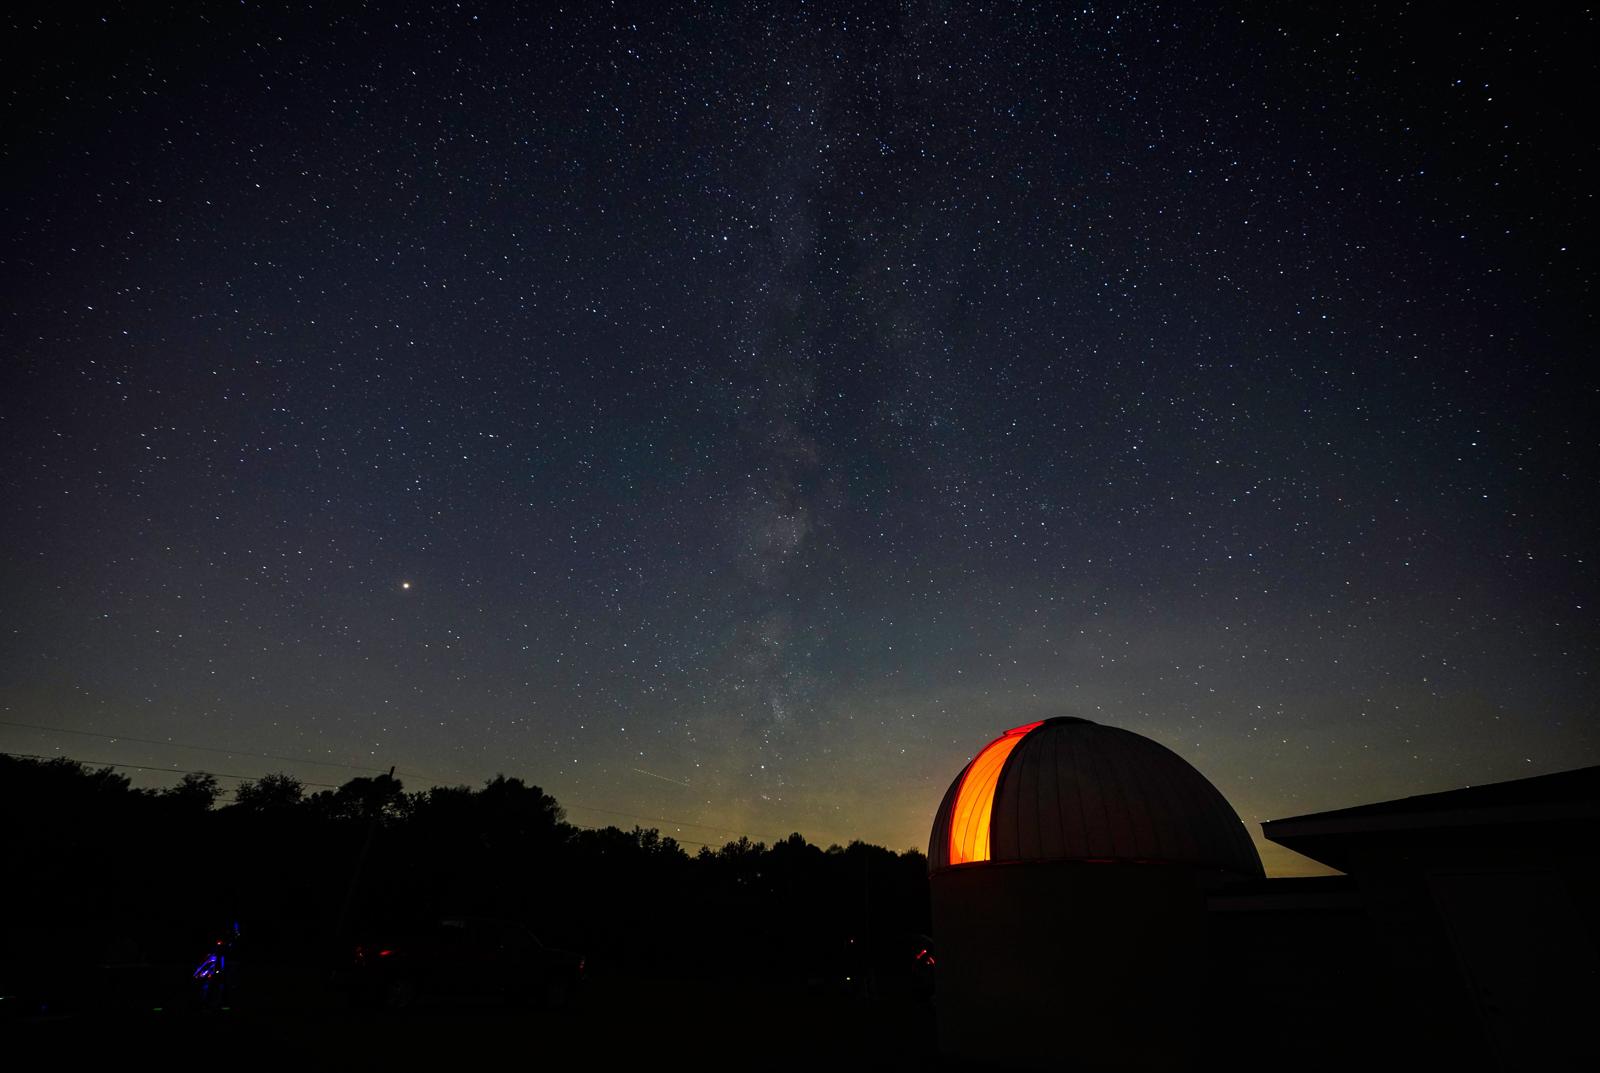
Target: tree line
point(102, 870)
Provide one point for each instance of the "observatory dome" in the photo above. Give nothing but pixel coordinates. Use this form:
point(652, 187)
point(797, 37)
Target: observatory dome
point(1067, 789)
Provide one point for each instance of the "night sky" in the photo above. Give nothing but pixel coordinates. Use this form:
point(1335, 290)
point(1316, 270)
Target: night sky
point(736, 416)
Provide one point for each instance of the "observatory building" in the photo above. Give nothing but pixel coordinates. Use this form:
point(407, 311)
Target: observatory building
point(1069, 865)
point(1097, 904)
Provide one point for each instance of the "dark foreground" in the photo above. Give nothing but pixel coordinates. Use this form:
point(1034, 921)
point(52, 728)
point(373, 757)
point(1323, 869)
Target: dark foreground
point(618, 1022)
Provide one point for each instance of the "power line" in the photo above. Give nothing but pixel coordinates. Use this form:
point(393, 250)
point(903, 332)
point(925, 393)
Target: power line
point(321, 763)
point(211, 749)
point(331, 786)
point(680, 841)
point(328, 785)
point(167, 770)
point(660, 819)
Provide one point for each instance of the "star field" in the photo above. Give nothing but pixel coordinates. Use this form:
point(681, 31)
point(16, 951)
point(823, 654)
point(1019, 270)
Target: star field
point(739, 414)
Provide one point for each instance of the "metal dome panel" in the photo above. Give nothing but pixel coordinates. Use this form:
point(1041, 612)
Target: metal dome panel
point(1069, 789)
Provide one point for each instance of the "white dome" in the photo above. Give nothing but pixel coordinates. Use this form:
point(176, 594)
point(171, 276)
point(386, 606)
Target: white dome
point(1067, 789)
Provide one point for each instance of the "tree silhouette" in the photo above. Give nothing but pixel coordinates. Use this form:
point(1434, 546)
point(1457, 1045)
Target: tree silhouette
point(380, 796)
point(196, 792)
point(275, 791)
point(321, 870)
point(24, 778)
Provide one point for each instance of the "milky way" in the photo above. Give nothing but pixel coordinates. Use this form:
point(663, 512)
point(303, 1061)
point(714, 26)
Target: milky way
point(730, 419)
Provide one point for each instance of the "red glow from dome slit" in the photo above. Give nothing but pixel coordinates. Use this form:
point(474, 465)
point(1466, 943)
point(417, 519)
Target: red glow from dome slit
point(969, 820)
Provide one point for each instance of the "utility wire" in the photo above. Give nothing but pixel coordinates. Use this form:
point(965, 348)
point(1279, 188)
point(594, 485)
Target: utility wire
point(660, 819)
point(322, 763)
point(220, 774)
point(680, 841)
point(327, 785)
point(212, 749)
point(167, 770)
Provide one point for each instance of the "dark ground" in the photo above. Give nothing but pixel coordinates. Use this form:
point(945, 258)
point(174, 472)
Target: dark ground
point(619, 1022)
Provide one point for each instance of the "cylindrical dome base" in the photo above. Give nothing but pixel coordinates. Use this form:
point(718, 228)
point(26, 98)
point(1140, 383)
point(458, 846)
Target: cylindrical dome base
point(1069, 964)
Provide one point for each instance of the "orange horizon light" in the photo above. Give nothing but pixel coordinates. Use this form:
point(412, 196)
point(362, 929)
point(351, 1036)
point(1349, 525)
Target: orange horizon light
point(969, 819)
